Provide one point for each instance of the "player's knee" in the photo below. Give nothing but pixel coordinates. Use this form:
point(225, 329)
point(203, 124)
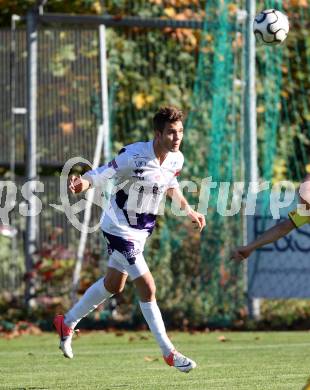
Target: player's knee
point(150, 291)
point(114, 287)
point(146, 287)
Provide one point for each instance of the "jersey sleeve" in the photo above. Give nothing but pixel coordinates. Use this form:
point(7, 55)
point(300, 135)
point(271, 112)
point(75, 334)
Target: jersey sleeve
point(119, 166)
point(174, 181)
point(297, 219)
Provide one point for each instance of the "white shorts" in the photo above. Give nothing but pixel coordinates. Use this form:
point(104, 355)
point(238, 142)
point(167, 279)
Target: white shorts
point(119, 262)
point(126, 255)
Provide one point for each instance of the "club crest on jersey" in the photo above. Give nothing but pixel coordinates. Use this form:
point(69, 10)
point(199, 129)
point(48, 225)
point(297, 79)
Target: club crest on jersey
point(177, 173)
point(140, 163)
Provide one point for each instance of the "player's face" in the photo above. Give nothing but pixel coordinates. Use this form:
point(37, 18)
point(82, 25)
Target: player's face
point(171, 136)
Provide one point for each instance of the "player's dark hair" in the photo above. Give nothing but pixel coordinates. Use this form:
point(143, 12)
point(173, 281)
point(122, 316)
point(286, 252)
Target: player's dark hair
point(164, 115)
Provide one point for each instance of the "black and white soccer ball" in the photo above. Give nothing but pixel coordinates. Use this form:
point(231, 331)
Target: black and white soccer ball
point(271, 27)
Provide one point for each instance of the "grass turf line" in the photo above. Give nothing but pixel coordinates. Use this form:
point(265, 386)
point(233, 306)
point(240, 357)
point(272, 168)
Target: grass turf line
point(130, 361)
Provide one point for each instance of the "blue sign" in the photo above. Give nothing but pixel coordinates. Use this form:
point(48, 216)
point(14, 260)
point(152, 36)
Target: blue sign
point(279, 270)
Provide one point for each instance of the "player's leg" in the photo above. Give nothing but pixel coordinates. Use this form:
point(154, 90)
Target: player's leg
point(129, 255)
point(113, 283)
point(146, 289)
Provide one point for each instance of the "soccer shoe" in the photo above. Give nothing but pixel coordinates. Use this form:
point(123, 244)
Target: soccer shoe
point(65, 334)
point(179, 361)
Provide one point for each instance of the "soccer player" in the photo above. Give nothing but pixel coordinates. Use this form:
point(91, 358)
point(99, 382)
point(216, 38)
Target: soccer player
point(144, 172)
point(295, 220)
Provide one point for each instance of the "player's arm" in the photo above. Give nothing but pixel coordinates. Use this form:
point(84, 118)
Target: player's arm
point(304, 191)
point(94, 178)
point(98, 177)
point(295, 220)
point(271, 235)
point(176, 195)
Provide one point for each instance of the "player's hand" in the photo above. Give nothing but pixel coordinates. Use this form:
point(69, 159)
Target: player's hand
point(198, 219)
point(77, 184)
point(304, 192)
point(240, 253)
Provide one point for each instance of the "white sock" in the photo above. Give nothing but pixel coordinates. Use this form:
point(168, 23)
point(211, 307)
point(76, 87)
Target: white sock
point(153, 317)
point(93, 296)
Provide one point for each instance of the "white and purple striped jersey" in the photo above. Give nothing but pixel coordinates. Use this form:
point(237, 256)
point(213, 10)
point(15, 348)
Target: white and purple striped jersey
point(140, 184)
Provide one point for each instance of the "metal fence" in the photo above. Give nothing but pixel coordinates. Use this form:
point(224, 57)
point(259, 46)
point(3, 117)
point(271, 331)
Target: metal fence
point(68, 94)
point(10, 64)
point(67, 123)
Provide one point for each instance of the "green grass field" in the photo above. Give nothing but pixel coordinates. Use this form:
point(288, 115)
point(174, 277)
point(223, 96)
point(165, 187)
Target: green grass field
point(253, 360)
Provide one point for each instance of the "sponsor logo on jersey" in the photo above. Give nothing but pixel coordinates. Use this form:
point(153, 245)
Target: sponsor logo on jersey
point(138, 171)
point(138, 174)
